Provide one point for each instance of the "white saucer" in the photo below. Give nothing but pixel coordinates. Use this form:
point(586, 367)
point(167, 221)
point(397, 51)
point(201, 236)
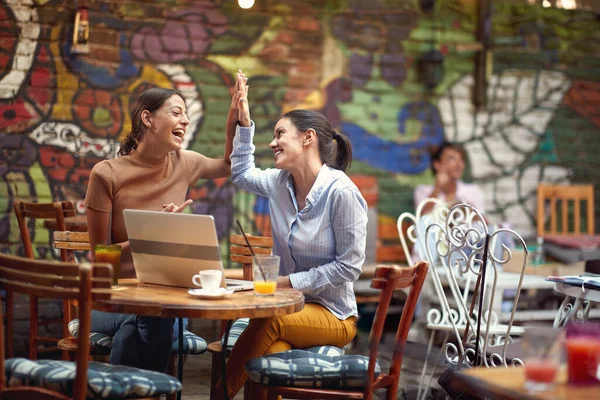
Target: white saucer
point(219, 294)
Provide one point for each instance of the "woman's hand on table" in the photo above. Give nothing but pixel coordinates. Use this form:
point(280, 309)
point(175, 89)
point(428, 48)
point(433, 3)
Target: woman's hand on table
point(171, 207)
point(284, 282)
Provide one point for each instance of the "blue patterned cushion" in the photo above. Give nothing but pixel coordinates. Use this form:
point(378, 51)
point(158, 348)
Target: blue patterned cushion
point(326, 350)
point(104, 381)
point(192, 344)
point(239, 325)
point(301, 368)
point(101, 342)
point(236, 330)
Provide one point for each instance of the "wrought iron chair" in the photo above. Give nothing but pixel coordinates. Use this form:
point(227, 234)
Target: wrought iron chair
point(454, 242)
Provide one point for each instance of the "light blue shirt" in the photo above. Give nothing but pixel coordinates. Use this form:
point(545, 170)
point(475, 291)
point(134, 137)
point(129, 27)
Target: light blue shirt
point(322, 246)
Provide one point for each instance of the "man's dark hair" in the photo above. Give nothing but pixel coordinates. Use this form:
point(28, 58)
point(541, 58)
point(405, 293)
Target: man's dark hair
point(437, 152)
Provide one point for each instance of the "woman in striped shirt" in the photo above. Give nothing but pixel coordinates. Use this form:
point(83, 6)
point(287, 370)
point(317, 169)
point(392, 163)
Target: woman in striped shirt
point(319, 223)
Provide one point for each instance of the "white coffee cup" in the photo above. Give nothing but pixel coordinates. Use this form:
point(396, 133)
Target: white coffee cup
point(210, 280)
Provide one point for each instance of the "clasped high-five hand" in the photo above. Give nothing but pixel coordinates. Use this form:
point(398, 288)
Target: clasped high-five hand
point(239, 99)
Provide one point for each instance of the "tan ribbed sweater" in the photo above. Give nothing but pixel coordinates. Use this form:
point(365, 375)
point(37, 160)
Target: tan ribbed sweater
point(143, 183)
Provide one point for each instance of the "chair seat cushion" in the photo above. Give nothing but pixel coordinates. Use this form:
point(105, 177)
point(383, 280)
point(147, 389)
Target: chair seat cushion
point(235, 331)
point(192, 344)
point(302, 368)
point(239, 325)
point(104, 381)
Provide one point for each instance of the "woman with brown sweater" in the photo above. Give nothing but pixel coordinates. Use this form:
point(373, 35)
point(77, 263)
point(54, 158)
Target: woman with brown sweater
point(154, 173)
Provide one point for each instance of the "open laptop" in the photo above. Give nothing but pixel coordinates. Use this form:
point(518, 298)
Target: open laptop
point(170, 248)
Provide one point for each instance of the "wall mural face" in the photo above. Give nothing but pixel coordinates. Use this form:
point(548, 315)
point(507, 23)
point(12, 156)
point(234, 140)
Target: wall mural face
point(62, 113)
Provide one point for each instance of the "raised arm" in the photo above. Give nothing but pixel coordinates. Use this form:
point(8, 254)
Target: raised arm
point(221, 167)
point(244, 173)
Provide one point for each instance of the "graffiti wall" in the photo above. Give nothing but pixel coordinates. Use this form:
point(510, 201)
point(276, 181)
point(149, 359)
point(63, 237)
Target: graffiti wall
point(354, 61)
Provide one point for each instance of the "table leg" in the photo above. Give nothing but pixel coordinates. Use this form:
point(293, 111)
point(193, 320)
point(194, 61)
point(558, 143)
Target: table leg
point(180, 356)
point(561, 318)
point(573, 313)
point(224, 354)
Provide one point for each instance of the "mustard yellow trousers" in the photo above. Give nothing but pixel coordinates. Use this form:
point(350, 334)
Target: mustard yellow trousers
point(314, 325)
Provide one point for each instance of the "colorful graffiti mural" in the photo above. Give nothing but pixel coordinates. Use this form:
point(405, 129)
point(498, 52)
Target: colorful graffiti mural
point(353, 61)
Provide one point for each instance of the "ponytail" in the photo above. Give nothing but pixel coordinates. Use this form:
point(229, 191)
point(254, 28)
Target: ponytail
point(343, 152)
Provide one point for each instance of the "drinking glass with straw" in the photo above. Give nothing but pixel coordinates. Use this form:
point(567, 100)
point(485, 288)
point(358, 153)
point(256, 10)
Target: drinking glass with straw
point(265, 270)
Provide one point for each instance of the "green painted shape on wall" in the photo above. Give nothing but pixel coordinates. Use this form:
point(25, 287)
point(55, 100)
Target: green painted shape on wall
point(546, 152)
point(243, 29)
point(101, 117)
point(393, 198)
point(42, 188)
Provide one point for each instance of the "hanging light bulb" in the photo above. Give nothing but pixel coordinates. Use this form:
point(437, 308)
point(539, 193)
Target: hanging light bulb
point(246, 4)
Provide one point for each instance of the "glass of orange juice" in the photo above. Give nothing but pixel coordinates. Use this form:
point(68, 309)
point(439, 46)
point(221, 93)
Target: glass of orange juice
point(265, 270)
point(110, 253)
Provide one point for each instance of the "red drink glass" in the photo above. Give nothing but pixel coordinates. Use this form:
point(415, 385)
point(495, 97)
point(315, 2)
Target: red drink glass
point(541, 355)
point(583, 353)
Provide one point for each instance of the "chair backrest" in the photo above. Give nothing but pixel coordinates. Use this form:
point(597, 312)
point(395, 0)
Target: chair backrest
point(408, 223)
point(84, 283)
point(69, 242)
point(57, 210)
point(564, 195)
point(461, 244)
point(389, 279)
point(241, 253)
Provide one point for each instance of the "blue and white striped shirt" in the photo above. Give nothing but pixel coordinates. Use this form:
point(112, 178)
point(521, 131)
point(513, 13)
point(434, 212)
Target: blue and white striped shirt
point(322, 247)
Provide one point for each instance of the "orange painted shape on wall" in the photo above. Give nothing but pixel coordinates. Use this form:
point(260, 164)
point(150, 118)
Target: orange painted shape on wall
point(368, 188)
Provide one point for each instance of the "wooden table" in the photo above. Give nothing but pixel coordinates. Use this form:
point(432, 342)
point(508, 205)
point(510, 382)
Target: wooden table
point(132, 297)
point(508, 384)
point(77, 223)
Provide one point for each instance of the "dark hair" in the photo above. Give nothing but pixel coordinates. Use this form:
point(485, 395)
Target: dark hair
point(151, 100)
point(437, 153)
point(338, 156)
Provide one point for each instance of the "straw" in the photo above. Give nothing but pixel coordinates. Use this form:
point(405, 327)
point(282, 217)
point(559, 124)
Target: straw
point(252, 251)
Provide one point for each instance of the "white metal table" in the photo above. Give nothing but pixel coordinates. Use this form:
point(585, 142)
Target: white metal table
point(581, 308)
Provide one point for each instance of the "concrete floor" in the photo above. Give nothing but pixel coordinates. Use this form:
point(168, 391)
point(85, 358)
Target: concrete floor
point(197, 369)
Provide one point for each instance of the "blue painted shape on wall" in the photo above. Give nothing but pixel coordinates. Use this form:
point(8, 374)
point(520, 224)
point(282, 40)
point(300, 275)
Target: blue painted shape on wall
point(405, 158)
point(100, 76)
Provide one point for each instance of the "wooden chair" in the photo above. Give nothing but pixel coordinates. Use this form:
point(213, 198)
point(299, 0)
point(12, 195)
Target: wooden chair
point(80, 241)
point(387, 279)
point(69, 242)
point(25, 211)
point(239, 253)
point(83, 283)
point(564, 195)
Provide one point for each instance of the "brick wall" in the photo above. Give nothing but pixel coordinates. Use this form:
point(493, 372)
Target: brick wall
point(354, 61)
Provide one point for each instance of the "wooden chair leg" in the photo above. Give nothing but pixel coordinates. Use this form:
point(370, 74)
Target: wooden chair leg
point(65, 332)
point(252, 391)
point(272, 395)
point(10, 330)
point(216, 387)
point(171, 371)
point(33, 327)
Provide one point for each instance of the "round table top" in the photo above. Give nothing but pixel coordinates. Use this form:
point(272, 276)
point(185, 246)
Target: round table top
point(132, 297)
